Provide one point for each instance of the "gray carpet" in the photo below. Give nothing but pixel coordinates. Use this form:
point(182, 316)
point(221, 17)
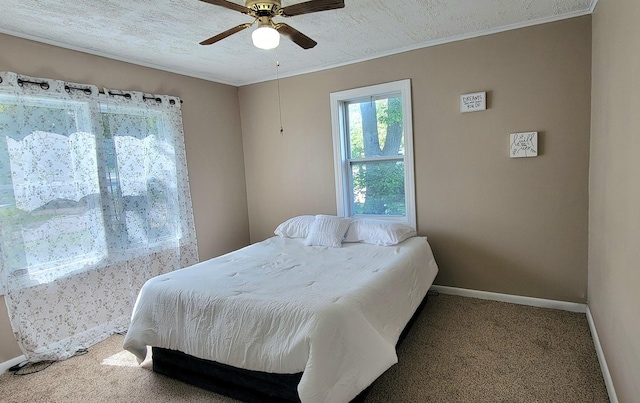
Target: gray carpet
point(459, 350)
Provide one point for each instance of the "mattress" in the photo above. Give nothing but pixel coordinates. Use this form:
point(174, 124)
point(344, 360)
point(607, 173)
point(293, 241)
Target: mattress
point(277, 306)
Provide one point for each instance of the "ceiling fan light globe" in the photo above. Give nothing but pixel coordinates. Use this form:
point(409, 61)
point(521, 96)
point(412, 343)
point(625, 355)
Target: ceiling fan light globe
point(265, 37)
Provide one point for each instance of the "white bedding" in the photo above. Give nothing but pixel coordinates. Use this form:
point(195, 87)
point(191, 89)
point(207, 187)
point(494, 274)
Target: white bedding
point(279, 306)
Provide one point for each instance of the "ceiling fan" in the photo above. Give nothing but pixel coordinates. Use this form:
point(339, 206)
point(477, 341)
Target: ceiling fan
point(267, 34)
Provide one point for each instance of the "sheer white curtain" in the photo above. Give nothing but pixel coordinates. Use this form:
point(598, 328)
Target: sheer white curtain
point(94, 200)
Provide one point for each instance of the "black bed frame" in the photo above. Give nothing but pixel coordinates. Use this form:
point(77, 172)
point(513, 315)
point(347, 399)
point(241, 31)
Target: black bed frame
point(242, 384)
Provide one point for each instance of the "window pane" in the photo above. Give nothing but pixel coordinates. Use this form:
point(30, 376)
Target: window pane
point(378, 188)
point(375, 127)
point(141, 176)
point(50, 212)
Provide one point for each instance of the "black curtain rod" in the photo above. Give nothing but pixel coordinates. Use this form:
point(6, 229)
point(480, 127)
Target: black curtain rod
point(68, 88)
point(144, 97)
point(45, 86)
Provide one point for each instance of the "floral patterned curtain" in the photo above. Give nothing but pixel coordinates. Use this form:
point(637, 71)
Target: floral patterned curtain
point(94, 200)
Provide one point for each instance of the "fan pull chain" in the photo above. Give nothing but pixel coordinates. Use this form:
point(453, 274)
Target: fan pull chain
point(279, 102)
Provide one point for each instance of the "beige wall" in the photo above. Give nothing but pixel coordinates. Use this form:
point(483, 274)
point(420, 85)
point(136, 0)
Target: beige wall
point(516, 226)
point(8, 347)
point(211, 119)
point(614, 219)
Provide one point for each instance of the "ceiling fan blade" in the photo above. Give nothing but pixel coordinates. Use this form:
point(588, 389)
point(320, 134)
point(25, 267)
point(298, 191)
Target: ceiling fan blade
point(229, 5)
point(226, 33)
point(296, 36)
point(311, 7)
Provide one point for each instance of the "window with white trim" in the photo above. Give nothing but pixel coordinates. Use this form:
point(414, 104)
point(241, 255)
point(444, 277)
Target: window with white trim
point(373, 152)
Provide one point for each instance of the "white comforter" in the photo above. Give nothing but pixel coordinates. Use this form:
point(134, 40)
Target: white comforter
point(279, 306)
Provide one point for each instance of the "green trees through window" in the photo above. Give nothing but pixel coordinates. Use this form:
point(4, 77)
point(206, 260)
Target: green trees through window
point(376, 137)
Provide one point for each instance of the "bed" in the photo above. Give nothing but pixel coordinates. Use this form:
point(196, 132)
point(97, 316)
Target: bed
point(312, 323)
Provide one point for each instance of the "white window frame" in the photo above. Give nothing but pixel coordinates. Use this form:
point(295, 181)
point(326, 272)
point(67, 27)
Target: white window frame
point(342, 165)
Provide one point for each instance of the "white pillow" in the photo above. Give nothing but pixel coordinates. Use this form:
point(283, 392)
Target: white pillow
point(327, 230)
point(378, 232)
point(295, 227)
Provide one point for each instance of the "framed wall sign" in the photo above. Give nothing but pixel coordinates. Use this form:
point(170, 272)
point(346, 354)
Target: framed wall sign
point(524, 144)
point(473, 102)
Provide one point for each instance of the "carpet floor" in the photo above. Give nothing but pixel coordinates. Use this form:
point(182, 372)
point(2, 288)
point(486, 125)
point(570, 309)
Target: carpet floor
point(459, 350)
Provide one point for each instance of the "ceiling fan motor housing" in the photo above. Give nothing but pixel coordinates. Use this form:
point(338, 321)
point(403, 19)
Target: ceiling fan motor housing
point(264, 8)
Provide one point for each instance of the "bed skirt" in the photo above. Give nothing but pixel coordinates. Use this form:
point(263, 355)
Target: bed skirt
point(238, 383)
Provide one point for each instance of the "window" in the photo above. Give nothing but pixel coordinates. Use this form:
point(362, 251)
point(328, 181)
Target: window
point(83, 181)
point(373, 152)
point(52, 213)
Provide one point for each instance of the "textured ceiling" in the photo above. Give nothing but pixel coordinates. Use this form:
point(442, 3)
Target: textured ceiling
point(165, 34)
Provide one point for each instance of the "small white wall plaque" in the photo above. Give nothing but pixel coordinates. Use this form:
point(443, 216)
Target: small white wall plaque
point(524, 144)
point(473, 102)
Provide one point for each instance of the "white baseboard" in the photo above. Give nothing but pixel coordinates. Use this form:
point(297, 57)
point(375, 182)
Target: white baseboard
point(514, 299)
point(4, 366)
point(613, 398)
